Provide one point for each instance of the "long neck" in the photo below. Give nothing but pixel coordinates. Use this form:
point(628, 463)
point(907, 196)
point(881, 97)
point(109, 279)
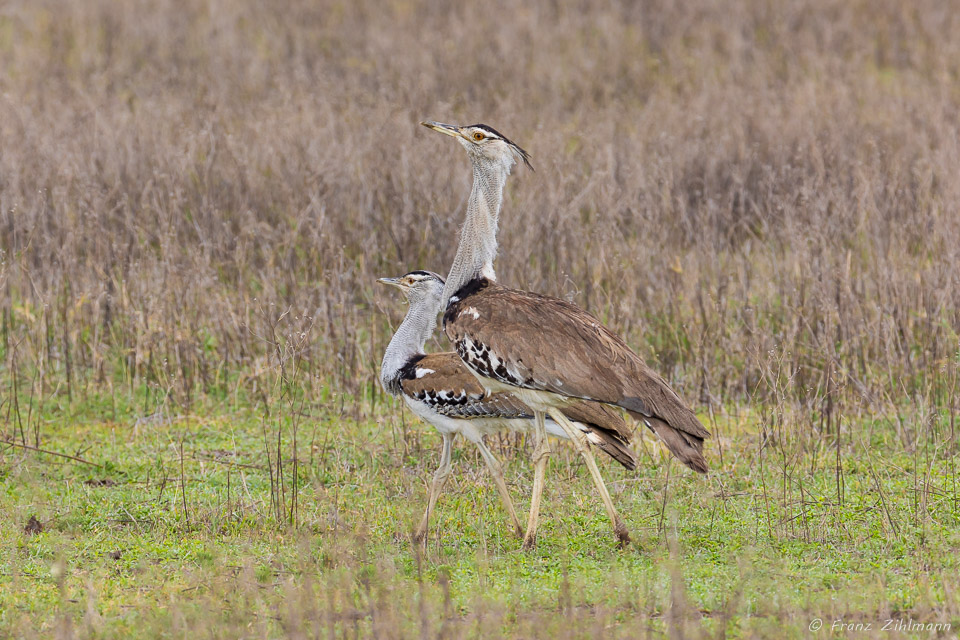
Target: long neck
point(408, 341)
point(478, 236)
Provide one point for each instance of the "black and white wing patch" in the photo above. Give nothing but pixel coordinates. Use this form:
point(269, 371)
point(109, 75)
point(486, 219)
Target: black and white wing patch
point(443, 383)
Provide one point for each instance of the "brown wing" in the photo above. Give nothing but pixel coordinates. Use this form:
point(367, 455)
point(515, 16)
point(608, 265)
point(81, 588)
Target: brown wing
point(442, 381)
point(536, 342)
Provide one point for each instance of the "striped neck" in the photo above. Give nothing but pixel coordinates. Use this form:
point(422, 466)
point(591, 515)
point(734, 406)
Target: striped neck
point(478, 236)
point(408, 341)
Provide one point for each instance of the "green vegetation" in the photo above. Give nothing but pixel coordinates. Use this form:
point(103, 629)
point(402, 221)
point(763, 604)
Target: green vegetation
point(186, 523)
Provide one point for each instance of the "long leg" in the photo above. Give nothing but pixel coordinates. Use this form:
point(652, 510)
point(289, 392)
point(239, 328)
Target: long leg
point(496, 471)
point(436, 486)
point(583, 448)
point(541, 453)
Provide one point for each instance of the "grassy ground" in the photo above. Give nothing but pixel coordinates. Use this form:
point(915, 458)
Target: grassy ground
point(184, 527)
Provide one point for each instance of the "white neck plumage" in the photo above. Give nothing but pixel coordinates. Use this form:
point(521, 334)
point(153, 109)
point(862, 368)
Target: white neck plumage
point(408, 341)
point(478, 236)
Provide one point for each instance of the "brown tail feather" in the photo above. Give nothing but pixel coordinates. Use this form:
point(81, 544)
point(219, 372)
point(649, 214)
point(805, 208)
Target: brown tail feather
point(613, 446)
point(605, 429)
point(686, 447)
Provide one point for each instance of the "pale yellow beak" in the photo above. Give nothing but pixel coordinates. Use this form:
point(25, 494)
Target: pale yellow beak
point(448, 129)
point(395, 282)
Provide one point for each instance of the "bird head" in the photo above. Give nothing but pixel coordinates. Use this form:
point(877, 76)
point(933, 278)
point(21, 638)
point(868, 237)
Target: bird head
point(417, 286)
point(484, 144)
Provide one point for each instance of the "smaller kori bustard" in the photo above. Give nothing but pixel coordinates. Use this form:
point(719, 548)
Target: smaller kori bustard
point(545, 351)
point(443, 392)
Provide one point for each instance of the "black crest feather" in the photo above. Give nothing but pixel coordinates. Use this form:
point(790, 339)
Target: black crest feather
point(523, 153)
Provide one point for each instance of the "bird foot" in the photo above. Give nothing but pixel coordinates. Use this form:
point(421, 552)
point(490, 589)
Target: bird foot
point(623, 536)
point(529, 543)
point(420, 538)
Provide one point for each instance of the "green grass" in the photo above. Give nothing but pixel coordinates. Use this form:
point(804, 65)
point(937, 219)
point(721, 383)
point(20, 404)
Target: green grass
point(745, 550)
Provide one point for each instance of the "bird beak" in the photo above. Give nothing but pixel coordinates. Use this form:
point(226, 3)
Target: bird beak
point(391, 281)
point(448, 129)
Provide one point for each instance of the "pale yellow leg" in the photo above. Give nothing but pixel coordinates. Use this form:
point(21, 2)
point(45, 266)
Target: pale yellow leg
point(436, 486)
point(541, 453)
point(583, 448)
point(496, 470)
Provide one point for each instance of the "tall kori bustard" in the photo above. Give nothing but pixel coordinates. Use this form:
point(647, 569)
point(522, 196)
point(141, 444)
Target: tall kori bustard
point(443, 392)
point(546, 351)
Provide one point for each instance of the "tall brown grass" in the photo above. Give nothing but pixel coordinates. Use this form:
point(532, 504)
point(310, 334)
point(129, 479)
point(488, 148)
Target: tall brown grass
point(762, 196)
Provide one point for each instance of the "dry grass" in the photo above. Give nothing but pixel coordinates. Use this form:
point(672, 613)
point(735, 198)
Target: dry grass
point(719, 182)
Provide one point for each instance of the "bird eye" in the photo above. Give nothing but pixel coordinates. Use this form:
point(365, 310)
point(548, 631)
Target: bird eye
point(478, 136)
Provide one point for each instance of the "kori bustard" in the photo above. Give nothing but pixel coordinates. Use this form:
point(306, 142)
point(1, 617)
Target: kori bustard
point(546, 351)
point(444, 393)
